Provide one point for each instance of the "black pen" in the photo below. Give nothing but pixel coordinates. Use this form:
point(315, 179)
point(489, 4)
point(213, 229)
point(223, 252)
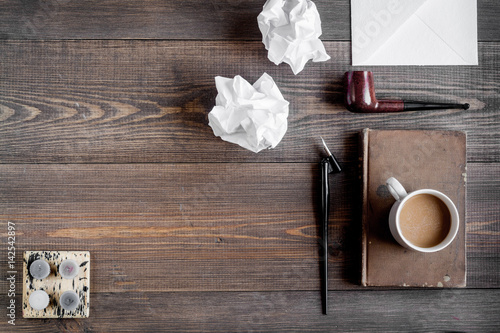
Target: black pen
point(328, 165)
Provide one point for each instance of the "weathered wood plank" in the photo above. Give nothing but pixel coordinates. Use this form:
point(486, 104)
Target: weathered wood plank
point(203, 227)
point(483, 222)
point(349, 311)
point(187, 217)
point(191, 19)
point(147, 101)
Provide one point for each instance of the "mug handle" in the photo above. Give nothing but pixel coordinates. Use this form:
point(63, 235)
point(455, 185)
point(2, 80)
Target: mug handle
point(396, 189)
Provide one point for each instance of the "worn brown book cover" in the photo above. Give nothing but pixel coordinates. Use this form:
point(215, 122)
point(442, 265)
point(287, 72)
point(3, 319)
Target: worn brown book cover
point(418, 159)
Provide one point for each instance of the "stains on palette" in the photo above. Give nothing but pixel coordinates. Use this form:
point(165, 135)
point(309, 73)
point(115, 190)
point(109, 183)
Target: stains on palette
point(55, 285)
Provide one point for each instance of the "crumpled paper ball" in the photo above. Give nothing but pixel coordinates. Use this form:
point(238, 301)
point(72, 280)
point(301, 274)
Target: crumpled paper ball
point(290, 32)
point(252, 116)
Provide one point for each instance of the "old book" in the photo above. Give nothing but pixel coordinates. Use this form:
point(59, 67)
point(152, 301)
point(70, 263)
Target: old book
point(418, 159)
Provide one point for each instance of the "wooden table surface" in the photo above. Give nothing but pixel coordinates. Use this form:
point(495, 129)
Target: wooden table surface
point(105, 147)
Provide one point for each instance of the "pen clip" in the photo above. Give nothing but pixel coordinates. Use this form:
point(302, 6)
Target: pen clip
point(328, 165)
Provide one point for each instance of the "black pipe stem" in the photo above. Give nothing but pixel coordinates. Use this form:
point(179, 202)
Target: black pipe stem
point(416, 106)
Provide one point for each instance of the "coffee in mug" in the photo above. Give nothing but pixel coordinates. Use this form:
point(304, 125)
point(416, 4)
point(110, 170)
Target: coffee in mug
point(424, 220)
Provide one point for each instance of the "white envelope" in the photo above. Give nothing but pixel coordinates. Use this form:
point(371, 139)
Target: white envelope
point(414, 32)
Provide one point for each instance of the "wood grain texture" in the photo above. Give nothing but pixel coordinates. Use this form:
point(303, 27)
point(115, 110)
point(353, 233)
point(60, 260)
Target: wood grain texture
point(147, 101)
point(213, 227)
point(353, 311)
point(104, 146)
point(191, 19)
point(483, 216)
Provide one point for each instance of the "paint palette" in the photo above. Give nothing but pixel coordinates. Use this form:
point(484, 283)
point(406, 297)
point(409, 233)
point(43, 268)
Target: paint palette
point(55, 285)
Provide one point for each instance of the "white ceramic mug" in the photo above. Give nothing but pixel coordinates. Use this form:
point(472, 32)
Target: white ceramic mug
point(399, 193)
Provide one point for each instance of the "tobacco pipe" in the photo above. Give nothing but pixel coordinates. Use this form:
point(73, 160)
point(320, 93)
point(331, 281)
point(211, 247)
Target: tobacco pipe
point(360, 97)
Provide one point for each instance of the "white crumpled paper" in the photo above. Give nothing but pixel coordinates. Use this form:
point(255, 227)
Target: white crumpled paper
point(254, 117)
point(290, 31)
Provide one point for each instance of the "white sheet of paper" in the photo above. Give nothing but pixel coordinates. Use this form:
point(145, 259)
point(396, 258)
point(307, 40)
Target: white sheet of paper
point(252, 116)
point(290, 32)
point(414, 32)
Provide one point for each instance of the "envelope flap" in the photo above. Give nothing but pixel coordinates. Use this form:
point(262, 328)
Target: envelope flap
point(445, 19)
point(417, 44)
point(375, 21)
